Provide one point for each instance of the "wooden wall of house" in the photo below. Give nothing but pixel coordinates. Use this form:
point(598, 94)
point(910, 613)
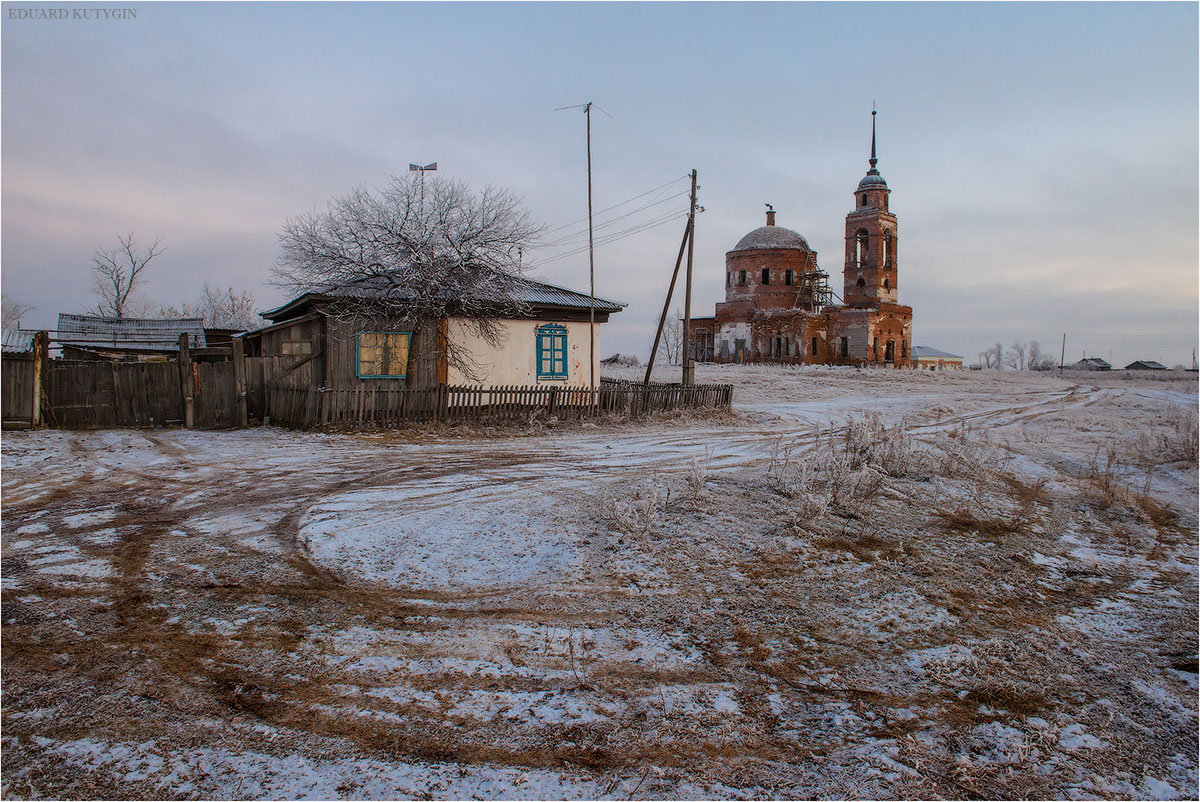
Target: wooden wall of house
point(341, 353)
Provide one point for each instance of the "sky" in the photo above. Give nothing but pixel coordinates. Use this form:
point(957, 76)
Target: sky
point(1042, 158)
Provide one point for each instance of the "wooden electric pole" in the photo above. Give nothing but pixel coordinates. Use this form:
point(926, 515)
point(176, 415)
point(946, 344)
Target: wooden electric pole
point(662, 321)
point(1062, 357)
point(689, 365)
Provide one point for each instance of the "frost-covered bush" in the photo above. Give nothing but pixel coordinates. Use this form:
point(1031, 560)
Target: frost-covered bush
point(869, 443)
point(1176, 439)
point(636, 515)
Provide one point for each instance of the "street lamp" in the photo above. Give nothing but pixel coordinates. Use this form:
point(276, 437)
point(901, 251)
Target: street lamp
point(416, 168)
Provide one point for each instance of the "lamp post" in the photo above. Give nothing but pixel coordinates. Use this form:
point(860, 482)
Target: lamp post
point(416, 168)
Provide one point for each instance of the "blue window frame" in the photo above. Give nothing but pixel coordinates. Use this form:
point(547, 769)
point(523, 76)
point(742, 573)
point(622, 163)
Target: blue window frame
point(552, 351)
point(381, 354)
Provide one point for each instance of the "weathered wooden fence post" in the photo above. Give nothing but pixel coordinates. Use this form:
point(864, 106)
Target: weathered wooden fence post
point(41, 352)
point(239, 381)
point(186, 383)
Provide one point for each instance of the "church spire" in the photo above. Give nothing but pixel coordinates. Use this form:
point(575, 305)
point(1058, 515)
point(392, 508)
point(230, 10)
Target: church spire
point(873, 171)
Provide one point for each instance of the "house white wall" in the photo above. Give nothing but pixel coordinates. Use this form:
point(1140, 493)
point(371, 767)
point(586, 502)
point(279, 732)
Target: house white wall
point(515, 361)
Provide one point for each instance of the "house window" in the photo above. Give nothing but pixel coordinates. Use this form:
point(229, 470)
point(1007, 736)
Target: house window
point(904, 350)
point(295, 348)
point(813, 352)
point(887, 284)
point(864, 203)
point(552, 352)
point(862, 282)
point(766, 276)
point(845, 346)
point(787, 278)
point(742, 277)
point(728, 279)
point(381, 354)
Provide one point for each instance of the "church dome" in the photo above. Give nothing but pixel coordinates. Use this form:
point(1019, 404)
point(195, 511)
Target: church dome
point(872, 180)
point(767, 237)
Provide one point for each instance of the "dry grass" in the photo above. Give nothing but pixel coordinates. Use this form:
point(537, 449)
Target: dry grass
point(861, 592)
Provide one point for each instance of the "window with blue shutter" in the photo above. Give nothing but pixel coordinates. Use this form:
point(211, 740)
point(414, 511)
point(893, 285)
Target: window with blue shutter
point(552, 351)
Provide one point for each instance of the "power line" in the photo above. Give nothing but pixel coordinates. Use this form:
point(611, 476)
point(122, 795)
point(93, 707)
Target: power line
point(570, 238)
point(619, 235)
point(622, 203)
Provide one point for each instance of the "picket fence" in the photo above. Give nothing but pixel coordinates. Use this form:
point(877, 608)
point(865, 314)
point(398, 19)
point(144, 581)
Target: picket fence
point(307, 408)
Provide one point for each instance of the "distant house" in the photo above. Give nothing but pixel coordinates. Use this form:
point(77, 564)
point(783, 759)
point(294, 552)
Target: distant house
point(926, 358)
point(1092, 363)
point(126, 339)
point(1145, 364)
point(547, 343)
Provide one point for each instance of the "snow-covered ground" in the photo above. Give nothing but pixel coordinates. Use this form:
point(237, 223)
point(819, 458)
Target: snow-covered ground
point(856, 584)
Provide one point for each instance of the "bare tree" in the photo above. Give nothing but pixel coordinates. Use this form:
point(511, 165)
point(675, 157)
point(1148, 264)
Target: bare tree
point(419, 252)
point(994, 357)
point(116, 272)
point(219, 309)
point(672, 339)
point(1038, 360)
point(11, 312)
point(1016, 356)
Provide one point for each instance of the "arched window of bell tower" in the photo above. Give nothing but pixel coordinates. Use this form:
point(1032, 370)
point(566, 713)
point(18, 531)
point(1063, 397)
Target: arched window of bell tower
point(862, 242)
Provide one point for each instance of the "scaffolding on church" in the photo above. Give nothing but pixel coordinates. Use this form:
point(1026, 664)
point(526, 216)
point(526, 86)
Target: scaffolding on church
point(812, 291)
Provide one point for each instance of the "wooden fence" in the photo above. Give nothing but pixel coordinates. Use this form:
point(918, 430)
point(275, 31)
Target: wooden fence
point(306, 408)
point(216, 395)
point(17, 389)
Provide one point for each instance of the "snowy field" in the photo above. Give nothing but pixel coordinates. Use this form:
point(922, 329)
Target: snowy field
point(865, 584)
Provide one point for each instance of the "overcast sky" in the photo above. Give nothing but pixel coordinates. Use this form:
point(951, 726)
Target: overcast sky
point(1042, 157)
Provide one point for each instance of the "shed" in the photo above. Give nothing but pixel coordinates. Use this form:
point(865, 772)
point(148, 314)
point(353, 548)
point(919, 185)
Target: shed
point(1145, 364)
point(92, 337)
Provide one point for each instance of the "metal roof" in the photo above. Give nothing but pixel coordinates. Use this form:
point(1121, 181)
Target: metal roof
point(925, 350)
point(538, 292)
point(17, 341)
point(127, 333)
point(525, 290)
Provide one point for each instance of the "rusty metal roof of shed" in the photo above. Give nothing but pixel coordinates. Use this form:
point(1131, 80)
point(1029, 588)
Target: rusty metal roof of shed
point(128, 333)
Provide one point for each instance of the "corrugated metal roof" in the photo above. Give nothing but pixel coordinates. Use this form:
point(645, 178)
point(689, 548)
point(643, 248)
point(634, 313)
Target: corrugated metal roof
point(538, 292)
point(17, 341)
point(129, 334)
point(526, 291)
point(925, 350)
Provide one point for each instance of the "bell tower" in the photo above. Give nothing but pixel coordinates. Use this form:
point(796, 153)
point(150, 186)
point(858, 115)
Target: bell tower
point(870, 267)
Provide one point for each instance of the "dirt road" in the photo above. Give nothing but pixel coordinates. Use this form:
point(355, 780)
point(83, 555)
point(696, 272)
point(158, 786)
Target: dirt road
point(986, 587)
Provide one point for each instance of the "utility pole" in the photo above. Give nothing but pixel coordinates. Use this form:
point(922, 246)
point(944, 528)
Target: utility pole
point(662, 321)
point(689, 365)
point(1063, 356)
point(587, 110)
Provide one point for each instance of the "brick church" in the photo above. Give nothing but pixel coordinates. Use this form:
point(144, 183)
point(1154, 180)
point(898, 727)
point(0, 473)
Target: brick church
point(779, 307)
